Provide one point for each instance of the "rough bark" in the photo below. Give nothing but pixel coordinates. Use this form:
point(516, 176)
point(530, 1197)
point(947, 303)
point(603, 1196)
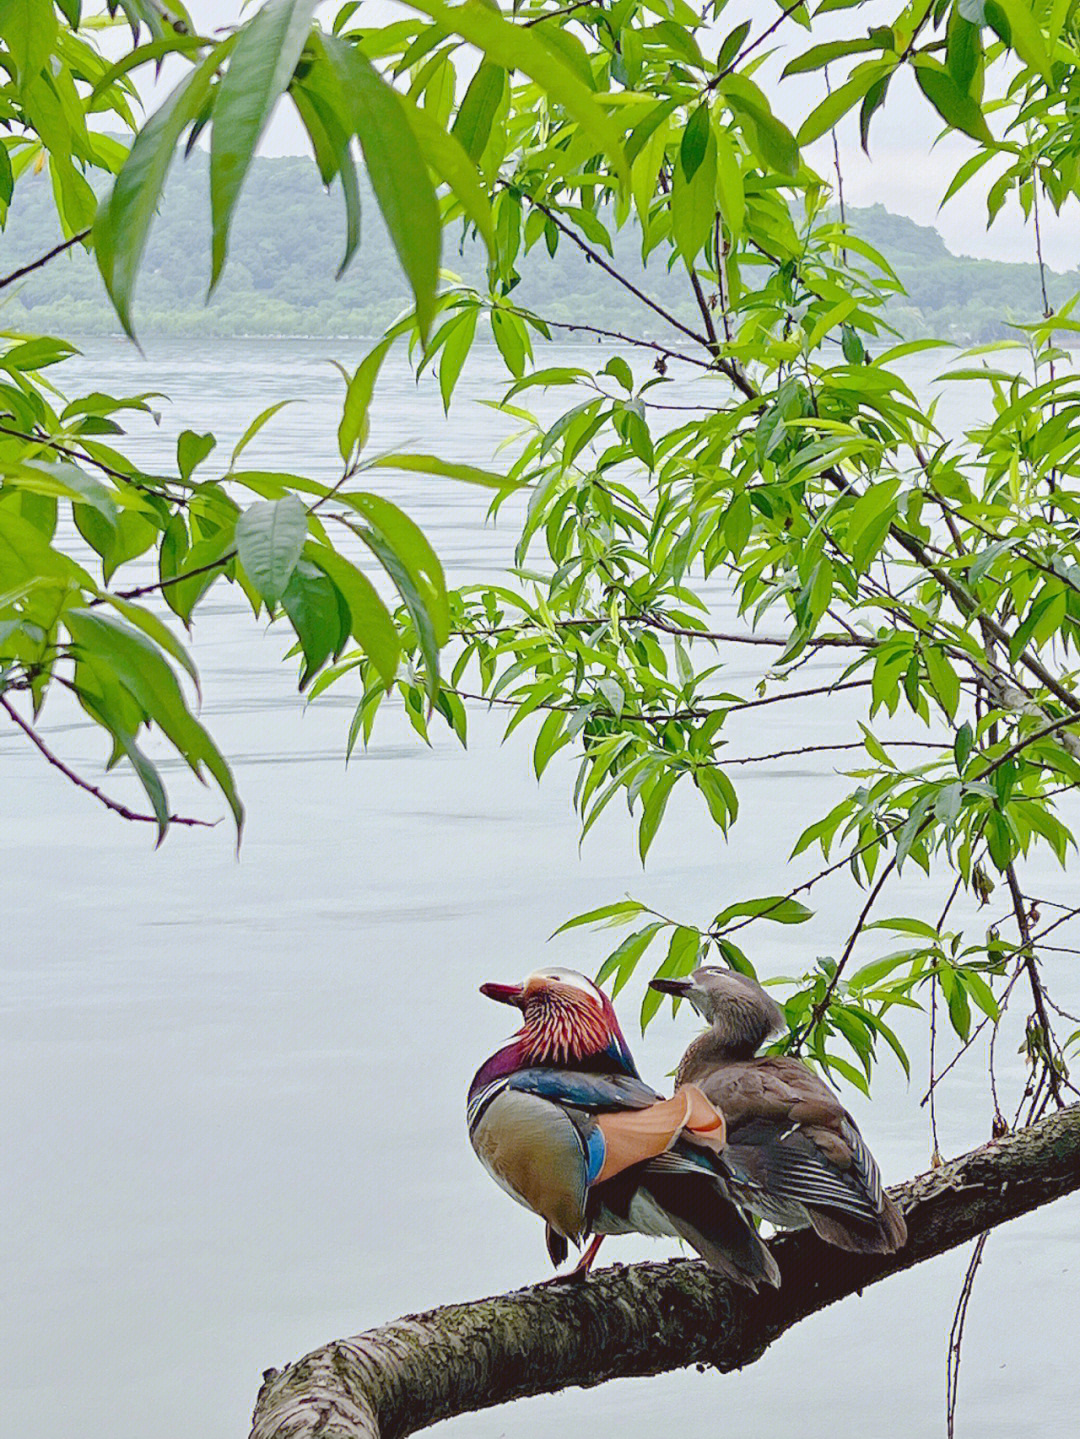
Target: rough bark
point(644, 1318)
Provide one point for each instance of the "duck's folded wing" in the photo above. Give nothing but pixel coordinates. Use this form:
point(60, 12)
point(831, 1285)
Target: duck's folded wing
point(594, 1093)
point(789, 1164)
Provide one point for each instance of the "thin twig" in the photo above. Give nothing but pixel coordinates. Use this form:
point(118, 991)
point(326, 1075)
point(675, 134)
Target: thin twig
point(754, 44)
point(598, 259)
point(956, 1336)
point(80, 783)
point(43, 259)
point(820, 748)
point(140, 590)
point(822, 1005)
point(1023, 924)
point(683, 714)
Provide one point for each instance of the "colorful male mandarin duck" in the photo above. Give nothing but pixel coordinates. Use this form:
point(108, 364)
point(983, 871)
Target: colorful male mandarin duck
point(795, 1155)
point(561, 1120)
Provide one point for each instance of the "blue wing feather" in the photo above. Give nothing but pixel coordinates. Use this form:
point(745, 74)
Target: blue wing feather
point(598, 1093)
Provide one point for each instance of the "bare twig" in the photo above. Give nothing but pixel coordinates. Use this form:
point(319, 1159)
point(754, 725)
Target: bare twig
point(1023, 924)
point(80, 783)
point(43, 259)
point(822, 1005)
point(956, 1335)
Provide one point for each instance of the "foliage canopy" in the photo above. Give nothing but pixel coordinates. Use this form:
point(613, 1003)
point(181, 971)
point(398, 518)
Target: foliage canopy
point(941, 572)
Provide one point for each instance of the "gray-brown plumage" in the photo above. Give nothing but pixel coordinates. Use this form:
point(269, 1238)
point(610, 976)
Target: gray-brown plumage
point(795, 1154)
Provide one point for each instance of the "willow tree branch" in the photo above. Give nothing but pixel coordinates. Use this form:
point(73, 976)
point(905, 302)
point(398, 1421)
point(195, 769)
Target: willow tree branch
point(646, 1318)
point(41, 260)
point(76, 779)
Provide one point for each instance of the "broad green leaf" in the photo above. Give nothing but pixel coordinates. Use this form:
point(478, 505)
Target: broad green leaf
point(311, 602)
point(29, 31)
point(266, 53)
point(955, 106)
point(371, 626)
point(269, 538)
point(412, 551)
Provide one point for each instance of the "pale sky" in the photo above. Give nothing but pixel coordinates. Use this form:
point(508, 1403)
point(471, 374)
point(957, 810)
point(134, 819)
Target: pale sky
point(907, 172)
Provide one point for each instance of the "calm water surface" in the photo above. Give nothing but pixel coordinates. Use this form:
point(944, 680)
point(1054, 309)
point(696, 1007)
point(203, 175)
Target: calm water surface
point(232, 1091)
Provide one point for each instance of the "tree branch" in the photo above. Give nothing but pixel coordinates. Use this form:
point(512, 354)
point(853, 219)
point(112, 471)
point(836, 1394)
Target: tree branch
point(43, 259)
point(77, 780)
point(645, 1318)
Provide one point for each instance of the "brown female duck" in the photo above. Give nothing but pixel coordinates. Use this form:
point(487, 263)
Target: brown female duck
point(795, 1155)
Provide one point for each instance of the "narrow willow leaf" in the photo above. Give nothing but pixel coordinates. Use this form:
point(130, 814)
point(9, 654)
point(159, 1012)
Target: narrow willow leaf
point(433, 465)
point(265, 55)
point(124, 218)
point(353, 430)
point(397, 170)
point(476, 113)
point(515, 48)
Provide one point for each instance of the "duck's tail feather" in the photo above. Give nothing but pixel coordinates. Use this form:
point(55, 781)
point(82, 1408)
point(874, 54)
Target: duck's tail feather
point(701, 1213)
point(885, 1235)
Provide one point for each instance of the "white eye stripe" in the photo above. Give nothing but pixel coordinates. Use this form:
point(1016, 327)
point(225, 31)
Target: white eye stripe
point(570, 977)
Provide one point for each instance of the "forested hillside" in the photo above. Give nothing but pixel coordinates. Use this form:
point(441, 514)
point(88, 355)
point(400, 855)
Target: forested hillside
point(280, 275)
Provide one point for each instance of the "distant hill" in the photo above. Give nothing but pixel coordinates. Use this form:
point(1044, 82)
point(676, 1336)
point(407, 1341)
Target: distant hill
point(288, 238)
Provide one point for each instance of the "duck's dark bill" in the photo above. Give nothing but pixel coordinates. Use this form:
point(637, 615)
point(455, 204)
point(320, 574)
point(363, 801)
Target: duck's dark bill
point(678, 987)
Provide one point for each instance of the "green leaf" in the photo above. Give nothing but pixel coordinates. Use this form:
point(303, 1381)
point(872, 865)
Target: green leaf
point(455, 168)
point(836, 105)
point(963, 745)
point(776, 907)
point(617, 913)
point(397, 171)
point(142, 670)
point(695, 141)
point(476, 113)
point(621, 962)
point(955, 106)
point(434, 465)
point(1015, 23)
point(372, 626)
point(681, 960)
point(191, 450)
point(410, 547)
point(29, 30)
point(353, 430)
point(311, 602)
point(124, 218)
point(693, 203)
point(269, 538)
point(515, 48)
point(266, 54)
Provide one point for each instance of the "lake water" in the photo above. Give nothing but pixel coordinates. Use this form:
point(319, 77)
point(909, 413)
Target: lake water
point(232, 1090)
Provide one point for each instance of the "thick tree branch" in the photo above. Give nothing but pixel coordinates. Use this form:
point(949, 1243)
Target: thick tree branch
point(644, 1319)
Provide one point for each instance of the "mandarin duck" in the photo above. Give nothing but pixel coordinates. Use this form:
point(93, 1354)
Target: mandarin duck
point(795, 1155)
point(562, 1121)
